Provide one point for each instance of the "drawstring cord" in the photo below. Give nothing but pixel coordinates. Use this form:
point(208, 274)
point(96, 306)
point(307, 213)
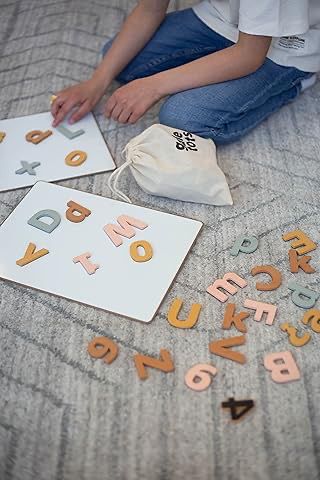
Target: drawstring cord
point(115, 176)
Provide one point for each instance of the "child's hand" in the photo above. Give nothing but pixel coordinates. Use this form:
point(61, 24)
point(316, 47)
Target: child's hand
point(84, 96)
point(130, 102)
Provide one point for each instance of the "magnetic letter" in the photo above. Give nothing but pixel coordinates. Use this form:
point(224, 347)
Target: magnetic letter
point(199, 377)
point(221, 348)
point(165, 364)
point(297, 262)
point(174, 311)
point(302, 296)
point(245, 245)
point(82, 212)
point(76, 158)
point(226, 285)
point(260, 309)
point(35, 221)
point(303, 244)
point(2, 136)
point(286, 371)
point(103, 347)
point(31, 255)
point(231, 319)
point(36, 136)
point(28, 168)
point(124, 228)
point(85, 262)
point(68, 133)
point(294, 339)
point(234, 405)
point(269, 270)
point(134, 251)
point(312, 316)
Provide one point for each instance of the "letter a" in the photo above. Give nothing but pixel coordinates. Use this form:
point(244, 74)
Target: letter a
point(124, 229)
point(226, 285)
point(36, 136)
point(35, 221)
point(286, 371)
point(82, 212)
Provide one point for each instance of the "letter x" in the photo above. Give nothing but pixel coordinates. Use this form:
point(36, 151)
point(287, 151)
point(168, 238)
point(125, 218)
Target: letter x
point(28, 167)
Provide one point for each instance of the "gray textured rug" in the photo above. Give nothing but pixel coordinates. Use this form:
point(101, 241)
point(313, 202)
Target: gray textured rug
point(65, 416)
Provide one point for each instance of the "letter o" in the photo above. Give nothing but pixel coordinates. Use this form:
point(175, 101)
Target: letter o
point(76, 158)
point(134, 252)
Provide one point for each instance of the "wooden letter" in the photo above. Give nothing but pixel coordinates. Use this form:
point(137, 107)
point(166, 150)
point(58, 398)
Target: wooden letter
point(260, 309)
point(286, 371)
point(312, 316)
point(199, 377)
point(89, 267)
point(76, 158)
point(269, 270)
point(230, 318)
point(244, 244)
point(301, 296)
point(28, 168)
point(103, 347)
point(165, 364)
point(31, 255)
point(294, 339)
point(35, 221)
point(82, 212)
point(222, 348)
point(36, 136)
point(226, 285)
point(69, 134)
point(134, 251)
point(303, 244)
point(174, 311)
point(125, 228)
point(297, 262)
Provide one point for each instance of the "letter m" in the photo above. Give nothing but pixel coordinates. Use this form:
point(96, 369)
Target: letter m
point(125, 229)
point(225, 284)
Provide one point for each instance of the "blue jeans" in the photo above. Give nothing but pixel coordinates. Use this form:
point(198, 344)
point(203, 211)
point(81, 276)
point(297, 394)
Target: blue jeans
point(223, 111)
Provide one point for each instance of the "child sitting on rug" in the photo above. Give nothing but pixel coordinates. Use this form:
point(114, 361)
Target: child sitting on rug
point(225, 65)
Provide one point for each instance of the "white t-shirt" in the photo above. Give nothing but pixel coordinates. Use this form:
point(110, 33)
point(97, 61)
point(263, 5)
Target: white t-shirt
point(293, 24)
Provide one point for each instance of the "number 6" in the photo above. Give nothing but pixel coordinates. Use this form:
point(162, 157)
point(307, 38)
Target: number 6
point(199, 377)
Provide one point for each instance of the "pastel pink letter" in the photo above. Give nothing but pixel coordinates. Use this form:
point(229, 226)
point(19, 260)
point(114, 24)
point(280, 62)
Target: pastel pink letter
point(226, 285)
point(286, 371)
point(260, 309)
point(125, 228)
point(85, 262)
